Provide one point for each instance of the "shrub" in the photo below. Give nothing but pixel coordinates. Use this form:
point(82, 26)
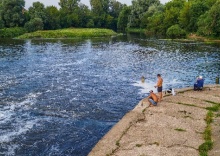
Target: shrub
point(34, 25)
point(11, 32)
point(175, 32)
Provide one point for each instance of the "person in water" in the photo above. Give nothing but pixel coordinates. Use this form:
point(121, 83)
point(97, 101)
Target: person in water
point(159, 86)
point(152, 98)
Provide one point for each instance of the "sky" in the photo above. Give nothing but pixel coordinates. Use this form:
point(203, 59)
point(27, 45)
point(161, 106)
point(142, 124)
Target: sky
point(28, 3)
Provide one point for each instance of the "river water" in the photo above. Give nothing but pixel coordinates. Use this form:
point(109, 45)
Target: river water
point(59, 97)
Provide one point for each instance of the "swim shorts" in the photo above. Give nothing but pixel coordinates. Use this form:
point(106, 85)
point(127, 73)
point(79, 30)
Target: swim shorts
point(159, 89)
point(153, 102)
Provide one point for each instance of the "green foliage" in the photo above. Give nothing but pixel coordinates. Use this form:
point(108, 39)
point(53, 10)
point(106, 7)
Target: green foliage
point(205, 147)
point(138, 9)
point(34, 25)
point(11, 32)
point(180, 130)
point(175, 32)
point(196, 10)
point(123, 19)
point(172, 12)
point(1, 23)
point(209, 23)
point(208, 144)
point(90, 24)
point(52, 18)
point(69, 33)
point(12, 12)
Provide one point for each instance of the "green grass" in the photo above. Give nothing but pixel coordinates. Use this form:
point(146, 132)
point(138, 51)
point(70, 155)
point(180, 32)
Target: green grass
point(180, 130)
point(135, 30)
point(69, 33)
point(138, 145)
point(191, 105)
point(207, 135)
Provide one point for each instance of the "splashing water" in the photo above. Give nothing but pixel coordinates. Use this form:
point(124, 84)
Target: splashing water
point(59, 97)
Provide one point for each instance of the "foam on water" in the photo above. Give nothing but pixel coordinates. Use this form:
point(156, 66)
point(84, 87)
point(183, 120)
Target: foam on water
point(148, 85)
point(10, 114)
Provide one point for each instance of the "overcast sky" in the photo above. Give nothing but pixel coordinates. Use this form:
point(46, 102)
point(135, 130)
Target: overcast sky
point(28, 3)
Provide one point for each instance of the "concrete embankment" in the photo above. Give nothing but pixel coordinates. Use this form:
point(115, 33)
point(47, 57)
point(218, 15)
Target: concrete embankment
point(177, 126)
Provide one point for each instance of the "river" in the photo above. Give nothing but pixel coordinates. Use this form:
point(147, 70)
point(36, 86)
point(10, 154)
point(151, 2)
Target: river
point(59, 97)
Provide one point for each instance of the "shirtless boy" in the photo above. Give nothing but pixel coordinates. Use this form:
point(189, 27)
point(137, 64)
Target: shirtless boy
point(159, 86)
point(153, 99)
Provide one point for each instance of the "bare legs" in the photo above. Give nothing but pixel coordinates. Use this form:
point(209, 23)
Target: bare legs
point(160, 96)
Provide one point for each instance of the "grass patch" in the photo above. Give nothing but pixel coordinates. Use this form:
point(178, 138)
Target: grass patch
point(208, 144)
point(218, 115)
point(180, 130)
point(135, 30)
point(205, 147)
point(117, 143)
point(215, 103)
point(138, 145)
point(191, 105)
point(155, 143)
point(69, 33)
point(214, 108)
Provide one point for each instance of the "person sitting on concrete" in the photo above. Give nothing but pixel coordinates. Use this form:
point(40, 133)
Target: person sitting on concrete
point(199, 83)
point(152, 98)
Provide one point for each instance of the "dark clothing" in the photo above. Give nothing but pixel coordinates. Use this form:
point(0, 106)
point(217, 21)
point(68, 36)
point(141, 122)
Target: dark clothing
point(159, 89)
point(199, 84)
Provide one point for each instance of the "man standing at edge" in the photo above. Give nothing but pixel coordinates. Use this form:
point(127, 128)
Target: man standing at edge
point(159, 86)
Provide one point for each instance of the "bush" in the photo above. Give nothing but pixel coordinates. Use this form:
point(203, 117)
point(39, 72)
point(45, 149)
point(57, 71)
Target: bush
point(34, 25)
point(11, 32)
point(175, 32)
point(1, 24)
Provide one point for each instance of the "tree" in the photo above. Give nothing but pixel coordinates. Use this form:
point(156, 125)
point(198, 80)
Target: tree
point(123, 18)
point(12, 12)
point(184, 18)
point(37, 11)
point(172, 12)
point(99, 7)
point(209, 23)
point(138, 9)
point(52, 21)
point(196, 10)
point(69, 5)
point(34, 25)
point(175, 32)
point(155, 24)
point(85, 16)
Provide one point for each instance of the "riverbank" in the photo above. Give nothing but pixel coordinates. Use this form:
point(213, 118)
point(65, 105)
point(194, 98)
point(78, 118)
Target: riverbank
point(69, 33)
point(186, 124)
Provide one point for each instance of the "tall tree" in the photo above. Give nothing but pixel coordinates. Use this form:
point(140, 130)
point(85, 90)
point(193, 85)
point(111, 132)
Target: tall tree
point(37, 11)
point(138, 9)
point(209, 23)
point(52, 18)
point(172, 12)
point(12, 12)
point(123, 18)
point(69, 5)
point(196, 10)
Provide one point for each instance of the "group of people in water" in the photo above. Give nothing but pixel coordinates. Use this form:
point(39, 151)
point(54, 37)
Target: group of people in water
point(153, 99)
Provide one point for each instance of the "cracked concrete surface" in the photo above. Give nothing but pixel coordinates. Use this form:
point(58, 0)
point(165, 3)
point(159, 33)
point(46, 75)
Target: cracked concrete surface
point(173, 128)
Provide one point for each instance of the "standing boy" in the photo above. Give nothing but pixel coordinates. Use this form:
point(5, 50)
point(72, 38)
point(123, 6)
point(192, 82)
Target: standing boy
point(159, 86)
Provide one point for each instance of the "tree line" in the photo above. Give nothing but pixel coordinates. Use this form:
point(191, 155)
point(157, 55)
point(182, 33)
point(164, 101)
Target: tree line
point(174, 19)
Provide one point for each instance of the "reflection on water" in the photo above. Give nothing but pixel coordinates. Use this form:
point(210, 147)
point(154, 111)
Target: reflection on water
point(59, 97)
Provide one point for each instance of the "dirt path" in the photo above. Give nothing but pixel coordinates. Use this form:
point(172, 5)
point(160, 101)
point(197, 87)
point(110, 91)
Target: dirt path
point(174, 128)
